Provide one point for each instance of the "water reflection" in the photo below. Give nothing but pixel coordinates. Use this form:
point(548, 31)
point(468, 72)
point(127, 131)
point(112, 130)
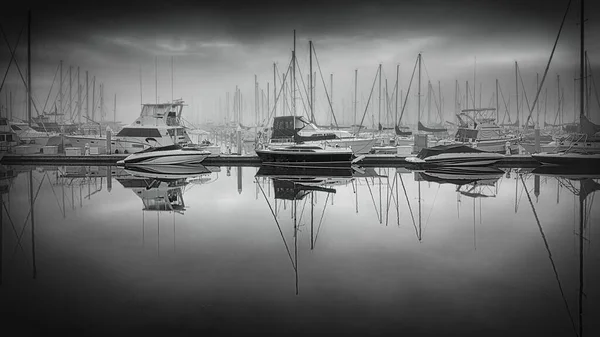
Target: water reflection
point(233, 246)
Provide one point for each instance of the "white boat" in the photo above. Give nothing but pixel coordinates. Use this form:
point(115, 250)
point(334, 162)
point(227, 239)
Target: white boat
point(454, 155)
point(165, 155)
point(483, 133)
point(28, 135)
point(158, 125)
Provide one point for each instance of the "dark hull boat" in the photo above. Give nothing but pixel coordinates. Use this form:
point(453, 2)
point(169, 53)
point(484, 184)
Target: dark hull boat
point(306, 155)
point(454, 155)
point(573, 159)
point(284, 172)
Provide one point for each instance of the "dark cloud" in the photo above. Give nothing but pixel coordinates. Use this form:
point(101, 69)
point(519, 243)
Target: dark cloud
point(217, 45)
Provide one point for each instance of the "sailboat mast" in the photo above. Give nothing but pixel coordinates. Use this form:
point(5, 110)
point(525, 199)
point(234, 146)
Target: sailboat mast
point(274, 90)
point(29, 69)
point(78, 98)
point(379, 105)
point(419, 94)
point(396, 103)
point(517, 92)
point(581, 60)
point(294, 76)
point(60, 89)
point(440, 100)
point(312, 114)
point(355, 93)
point(497, 102)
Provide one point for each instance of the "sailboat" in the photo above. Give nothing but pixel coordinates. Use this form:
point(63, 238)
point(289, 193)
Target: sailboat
point(582, 148)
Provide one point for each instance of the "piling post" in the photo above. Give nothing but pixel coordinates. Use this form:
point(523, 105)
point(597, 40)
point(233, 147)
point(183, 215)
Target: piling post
point(108, 140)
point(537, 139)
point(239, 140)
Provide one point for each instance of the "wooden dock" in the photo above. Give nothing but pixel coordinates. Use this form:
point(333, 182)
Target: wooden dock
point(371, 160)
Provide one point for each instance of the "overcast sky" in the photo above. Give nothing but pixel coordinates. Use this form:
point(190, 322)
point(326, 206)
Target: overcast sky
point(216, 47)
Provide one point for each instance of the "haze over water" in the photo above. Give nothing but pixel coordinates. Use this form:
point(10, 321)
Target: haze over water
point(476, 263)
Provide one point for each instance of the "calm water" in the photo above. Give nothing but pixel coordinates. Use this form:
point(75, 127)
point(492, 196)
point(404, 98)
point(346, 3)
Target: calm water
point(240, 257)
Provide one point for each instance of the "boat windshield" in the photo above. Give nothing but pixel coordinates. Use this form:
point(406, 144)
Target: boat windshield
point(161, 148)
point(432, 151)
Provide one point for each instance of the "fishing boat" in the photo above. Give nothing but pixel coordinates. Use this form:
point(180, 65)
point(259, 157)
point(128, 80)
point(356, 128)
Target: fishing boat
point(306, 155)
point(482, 132)
point(166, 155)
point(158, 125)
point(454, 155)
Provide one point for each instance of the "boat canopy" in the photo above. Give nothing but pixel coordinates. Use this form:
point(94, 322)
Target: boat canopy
point(453, 148)
point(290, 190)
point(422, 127)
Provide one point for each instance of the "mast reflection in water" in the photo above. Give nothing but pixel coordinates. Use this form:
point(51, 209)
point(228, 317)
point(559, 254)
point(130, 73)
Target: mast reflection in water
point(370, 250)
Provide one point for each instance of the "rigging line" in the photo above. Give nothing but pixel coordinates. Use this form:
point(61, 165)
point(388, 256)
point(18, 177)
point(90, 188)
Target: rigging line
point(367, 105)
point(302, 212)
point(431, 210)
point(550, 256)
point(28, 214)
point(300, 91)
point(372, 198)
point(325, 86)
point(51, 86)
point(391, 190)
point(280, 90)
point(12, 52)
point(409, 207)
point(593, 81)
point(408, 91)
point(22, 77)
point(278, 226)
point(506, 112)
point(321, 220)
point(303, 87)
point(548, 65)
point(524, 94)
point(14, 229)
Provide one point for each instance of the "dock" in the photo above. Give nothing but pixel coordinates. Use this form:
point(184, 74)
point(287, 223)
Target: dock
point(370, 160)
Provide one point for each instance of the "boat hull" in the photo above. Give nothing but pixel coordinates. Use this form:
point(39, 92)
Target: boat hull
point(177, 171)
point(171, 157)
point(314, 159)
point(590, 161)
point(463, 159)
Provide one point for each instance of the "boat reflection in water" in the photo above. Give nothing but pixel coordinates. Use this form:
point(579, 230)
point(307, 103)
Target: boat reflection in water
point(294, 184)
point(161, 187)
point(581, 182)
point(471, 182)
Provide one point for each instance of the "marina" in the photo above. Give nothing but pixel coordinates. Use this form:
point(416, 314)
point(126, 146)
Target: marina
point(364, 168)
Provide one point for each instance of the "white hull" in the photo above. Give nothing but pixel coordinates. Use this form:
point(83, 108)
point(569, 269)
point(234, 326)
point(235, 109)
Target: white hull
point(459, 159)
point(357, 145)
point(168, 157)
